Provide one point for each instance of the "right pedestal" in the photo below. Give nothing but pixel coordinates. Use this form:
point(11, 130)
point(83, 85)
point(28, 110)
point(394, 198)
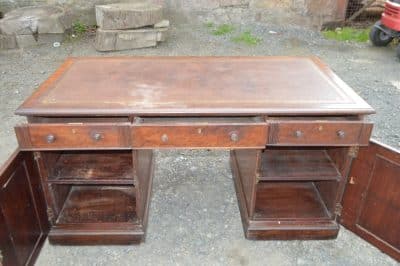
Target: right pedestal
point(290, 193)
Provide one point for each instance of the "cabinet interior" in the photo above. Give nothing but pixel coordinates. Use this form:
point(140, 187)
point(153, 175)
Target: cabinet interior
point(299, 183)
point(90, 186)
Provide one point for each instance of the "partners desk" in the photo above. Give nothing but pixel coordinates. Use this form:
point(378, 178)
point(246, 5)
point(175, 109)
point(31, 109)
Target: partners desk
point(83, 170)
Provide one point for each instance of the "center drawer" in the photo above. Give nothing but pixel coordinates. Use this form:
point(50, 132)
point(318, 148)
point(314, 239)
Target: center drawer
point(199, 133)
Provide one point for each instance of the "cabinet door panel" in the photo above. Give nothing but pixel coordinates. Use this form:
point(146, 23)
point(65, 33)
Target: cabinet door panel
point(22, 209)
point(371, 203)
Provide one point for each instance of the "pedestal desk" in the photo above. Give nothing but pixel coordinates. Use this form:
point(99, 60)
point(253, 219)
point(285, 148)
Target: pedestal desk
point(83, 171)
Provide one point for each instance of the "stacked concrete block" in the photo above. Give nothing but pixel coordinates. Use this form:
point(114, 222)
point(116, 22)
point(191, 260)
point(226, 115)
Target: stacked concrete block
point(30, 26)
point(126, 26)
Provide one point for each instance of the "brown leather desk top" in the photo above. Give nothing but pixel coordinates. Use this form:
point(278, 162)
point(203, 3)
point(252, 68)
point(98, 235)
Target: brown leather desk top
point(193, 86)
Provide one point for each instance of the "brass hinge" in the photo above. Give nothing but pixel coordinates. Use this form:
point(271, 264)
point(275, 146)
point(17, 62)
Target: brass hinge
point(36, 155)
point(338, 209)
point(353, 151)
point(258, 177)
point(50, 214)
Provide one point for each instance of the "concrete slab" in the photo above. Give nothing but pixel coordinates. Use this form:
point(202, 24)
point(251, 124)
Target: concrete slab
point(30, 20)
point(127, 15)
point(116, 40)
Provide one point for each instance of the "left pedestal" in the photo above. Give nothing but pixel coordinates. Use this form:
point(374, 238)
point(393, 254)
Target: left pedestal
point(96, 197)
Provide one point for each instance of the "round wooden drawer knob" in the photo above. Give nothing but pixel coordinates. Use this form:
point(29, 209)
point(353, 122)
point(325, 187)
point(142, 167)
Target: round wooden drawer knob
point(164, 138)
point(50, 138)
point(340, 134)
point(97, 136)
point(234, 136)
point(298, 133)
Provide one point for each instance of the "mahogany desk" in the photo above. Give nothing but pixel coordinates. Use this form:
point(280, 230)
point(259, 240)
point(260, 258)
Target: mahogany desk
point(84, 167)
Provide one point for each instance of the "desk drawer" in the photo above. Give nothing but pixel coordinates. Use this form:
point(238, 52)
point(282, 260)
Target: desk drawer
point(313, 133)
point(73, 136)
point(200, 135)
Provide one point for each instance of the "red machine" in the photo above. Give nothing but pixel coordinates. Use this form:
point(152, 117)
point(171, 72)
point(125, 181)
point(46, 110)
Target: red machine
point(388, 28)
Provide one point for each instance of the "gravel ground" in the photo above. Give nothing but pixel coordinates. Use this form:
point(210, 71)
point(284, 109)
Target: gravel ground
point(194, 218)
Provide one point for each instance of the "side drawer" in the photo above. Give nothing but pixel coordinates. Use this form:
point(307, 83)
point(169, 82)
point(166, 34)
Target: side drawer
point(73, 136)
point(314, 133)
point(200, 135)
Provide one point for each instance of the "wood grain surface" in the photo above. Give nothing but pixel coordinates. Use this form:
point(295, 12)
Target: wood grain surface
point(193, 86)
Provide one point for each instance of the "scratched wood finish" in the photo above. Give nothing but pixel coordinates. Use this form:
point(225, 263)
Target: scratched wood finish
point(319, 133)
point(371, 203)
point(164, 86)
point(99, 204)
point(97, 167)
point(73, 136)
point(23, 218)
point(297, 164)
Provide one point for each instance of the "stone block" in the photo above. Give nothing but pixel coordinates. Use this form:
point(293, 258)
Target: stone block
point(116, 40)
point(32, 20)
point(162, 24)
point(128, 15)
point(26, 40)
point(7, 41)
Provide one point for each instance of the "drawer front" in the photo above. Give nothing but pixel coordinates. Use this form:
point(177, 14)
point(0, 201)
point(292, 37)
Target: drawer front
point(73, 136)
point(310, 133)
point(200, 136)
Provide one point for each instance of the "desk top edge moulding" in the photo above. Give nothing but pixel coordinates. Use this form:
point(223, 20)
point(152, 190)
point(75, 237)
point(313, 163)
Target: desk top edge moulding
point(193, 86)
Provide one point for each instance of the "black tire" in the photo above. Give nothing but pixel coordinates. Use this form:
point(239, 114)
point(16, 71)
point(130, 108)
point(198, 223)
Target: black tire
point(378, 37)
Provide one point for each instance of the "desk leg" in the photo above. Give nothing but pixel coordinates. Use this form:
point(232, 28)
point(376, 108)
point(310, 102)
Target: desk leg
point(245, 166)
point(143, 162)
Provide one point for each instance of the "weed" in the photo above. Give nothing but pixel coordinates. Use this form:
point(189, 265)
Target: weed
point(79, 28)
point(247, 38)
point(223, 29)
point(347, 34)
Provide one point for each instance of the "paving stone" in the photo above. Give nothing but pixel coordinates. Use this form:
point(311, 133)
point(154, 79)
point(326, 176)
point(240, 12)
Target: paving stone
point(128, 15)
point(31, 20)
point(162, 24)
point(7, 41)
point(116, 40)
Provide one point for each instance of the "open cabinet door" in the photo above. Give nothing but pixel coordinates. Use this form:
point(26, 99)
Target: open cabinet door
point(23, 219)
point(371, 203)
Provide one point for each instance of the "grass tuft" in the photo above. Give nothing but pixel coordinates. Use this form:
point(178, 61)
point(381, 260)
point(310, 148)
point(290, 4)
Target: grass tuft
point(347, 34)
point(79, 28)
point(223, 29)
point(247, 38)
